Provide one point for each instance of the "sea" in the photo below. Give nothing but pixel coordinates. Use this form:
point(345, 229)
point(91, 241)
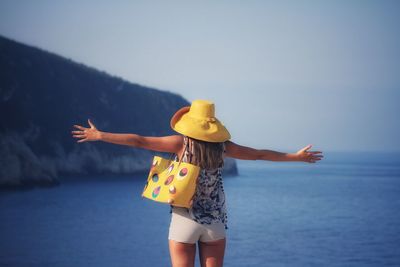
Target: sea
point(341, 211)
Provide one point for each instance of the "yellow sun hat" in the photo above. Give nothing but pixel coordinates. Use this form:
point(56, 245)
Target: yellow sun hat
point(199, 122)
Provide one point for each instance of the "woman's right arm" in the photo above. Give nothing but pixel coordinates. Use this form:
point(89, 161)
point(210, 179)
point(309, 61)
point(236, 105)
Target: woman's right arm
point(172, 143)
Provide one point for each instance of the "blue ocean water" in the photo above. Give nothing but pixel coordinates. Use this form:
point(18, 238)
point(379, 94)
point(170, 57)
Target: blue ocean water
point(342, 211)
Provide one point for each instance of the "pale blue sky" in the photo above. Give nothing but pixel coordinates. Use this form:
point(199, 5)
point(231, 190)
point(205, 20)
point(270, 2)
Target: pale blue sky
point(283, 74)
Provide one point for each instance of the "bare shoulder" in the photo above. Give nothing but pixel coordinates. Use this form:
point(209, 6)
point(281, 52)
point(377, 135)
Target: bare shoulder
point(230, 147)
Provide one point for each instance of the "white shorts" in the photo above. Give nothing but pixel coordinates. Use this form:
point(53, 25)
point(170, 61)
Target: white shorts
point(184, 229)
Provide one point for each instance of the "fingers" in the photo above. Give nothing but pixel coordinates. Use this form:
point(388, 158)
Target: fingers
point(316, 156)
point(312, 156)
point(79, 127)
point(91, 124)
point(313, 160)
point(304, 149)
point(81, 134)
point(82, 140)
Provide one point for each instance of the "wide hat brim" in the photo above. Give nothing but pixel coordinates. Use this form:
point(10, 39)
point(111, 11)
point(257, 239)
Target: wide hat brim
point(210, 130)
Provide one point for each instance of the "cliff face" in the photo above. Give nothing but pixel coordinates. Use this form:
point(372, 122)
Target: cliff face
point(42, 95)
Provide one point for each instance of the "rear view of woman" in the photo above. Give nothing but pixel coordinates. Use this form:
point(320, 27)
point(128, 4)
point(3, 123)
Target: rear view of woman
point(204, 141)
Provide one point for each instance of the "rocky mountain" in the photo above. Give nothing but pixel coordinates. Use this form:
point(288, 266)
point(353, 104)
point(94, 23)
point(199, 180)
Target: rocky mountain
point(43, 95)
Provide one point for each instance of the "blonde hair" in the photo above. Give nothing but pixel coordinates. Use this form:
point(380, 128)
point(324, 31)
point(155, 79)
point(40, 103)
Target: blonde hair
point(207, 155)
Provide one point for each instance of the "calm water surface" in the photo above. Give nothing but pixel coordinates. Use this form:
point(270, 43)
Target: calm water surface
point(344, 211)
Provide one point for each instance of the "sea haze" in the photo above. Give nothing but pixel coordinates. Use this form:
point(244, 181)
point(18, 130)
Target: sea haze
point(342, 211)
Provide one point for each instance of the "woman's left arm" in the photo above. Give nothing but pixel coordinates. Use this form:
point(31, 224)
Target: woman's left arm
point(247, 153)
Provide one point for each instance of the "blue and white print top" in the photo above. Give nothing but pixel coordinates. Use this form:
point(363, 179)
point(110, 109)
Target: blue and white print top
point(209, 200)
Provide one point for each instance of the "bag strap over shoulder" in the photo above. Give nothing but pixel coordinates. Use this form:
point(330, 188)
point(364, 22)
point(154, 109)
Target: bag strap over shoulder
point(189, 145)
point(185, 142)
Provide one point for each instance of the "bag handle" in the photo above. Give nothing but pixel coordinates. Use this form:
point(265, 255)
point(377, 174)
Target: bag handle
point(183, 154)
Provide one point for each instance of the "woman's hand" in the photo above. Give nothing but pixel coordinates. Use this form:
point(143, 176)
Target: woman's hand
point(308, 156)
point(172, 143)
point(87, 134)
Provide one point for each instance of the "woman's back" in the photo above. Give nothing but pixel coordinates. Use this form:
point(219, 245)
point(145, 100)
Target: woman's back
point(209, 199)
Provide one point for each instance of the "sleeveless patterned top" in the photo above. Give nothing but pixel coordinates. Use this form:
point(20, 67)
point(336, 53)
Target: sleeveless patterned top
point(209, 200)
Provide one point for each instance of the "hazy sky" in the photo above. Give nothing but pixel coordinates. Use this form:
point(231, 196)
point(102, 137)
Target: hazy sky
point(283, 74)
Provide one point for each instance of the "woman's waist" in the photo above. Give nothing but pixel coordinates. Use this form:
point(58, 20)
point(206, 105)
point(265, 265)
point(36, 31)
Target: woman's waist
point(198, 212)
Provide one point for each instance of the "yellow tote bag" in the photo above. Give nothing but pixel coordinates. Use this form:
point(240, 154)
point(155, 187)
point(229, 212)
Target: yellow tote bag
point(171, 182)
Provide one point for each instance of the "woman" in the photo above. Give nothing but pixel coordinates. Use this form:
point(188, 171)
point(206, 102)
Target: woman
point(204, 141)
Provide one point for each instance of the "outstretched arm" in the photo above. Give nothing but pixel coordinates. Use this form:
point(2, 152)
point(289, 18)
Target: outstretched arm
point(247, 153)
point(172, 143)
